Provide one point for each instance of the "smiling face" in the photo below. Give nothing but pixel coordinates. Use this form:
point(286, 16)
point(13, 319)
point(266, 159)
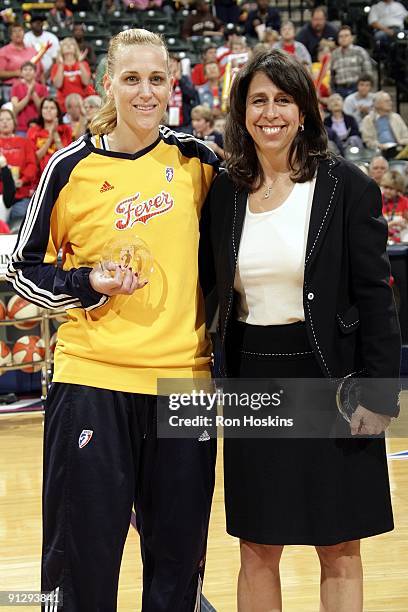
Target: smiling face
point(6, 124)
point(68, 48)
point(140, 87)
point(272, 116)
point(49, 111)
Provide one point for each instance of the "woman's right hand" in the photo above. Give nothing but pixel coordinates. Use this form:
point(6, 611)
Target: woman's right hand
point(112, 280)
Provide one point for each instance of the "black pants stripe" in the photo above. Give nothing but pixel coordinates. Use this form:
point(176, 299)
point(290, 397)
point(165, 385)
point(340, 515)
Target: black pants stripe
point(91, 482)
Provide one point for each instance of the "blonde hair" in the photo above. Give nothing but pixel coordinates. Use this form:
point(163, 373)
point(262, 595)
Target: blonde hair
point(105, 119)
point(71, 41)
point(394, 179)
point(203, 112)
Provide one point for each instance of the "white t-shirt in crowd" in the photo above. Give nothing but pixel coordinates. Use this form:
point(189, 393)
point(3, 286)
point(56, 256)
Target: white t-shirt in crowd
point(30, 40)
point(388, 14)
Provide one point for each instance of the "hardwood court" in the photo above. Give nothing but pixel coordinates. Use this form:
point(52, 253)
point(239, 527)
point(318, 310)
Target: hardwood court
point(385, 557)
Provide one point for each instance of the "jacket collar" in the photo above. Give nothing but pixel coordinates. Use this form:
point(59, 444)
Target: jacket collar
point(325, 197)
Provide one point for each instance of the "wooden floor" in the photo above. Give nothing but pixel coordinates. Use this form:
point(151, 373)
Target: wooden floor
point(385, 557)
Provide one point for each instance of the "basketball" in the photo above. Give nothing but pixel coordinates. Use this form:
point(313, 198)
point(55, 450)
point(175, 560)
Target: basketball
point(3, 310)
point(19, 308)
point(5, 355)
point(28, 349)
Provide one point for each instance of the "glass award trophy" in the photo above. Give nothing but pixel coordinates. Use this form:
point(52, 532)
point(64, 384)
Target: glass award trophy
point(127, 253)
point(348, 397)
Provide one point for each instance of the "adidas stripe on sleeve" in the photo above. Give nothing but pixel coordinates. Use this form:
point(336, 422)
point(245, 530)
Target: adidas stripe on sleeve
point(33, 270)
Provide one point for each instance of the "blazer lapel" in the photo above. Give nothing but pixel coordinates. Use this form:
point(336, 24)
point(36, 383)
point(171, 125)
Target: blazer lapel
point(327, 191)
point(240, 202)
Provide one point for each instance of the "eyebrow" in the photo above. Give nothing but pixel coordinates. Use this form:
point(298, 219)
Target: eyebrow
point(131, 72)
point(263, 93)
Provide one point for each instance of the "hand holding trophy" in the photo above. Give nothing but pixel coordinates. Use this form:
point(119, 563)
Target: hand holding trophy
point(362, 421)
point(126, 265)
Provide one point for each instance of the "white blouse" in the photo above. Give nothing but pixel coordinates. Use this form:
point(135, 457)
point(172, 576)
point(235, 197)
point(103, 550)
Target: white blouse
point(270, 267)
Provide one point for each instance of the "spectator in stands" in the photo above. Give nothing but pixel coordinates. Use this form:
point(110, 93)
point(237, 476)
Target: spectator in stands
point(219, 124)
point(237, 47)
point(91, 106)
point(344, 125)
point(50, 134)
point(318, 29)
point(108, 7)
point(231, 34)
point(203, 23)
point(142, 5)
point(387, 18)
point(210, 93)
point(383, 129)
point(320, 72)
point(12, 57)
point(85, 48)
point(38, 38)
point(348, 63)
point(264, 16)
point(71, 73)
point(334, 143)
point(288, 43)
point(395, 204)
point(7, 186)
point(360, 103)
point(209, 54)
point(26, 97)
point(22, 162)
point(60, 16)
point(377, 168)
point(270, 38)
point(75, 115)
point(203, 127)
point(182, 99)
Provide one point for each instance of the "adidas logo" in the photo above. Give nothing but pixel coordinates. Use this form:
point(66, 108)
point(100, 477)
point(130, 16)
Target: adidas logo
point(106, 187)
point(204, 436)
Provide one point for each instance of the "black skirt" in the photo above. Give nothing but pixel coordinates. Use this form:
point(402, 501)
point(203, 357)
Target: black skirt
point(316, 491)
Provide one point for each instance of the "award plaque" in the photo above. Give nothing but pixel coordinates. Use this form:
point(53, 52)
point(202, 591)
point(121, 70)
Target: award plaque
point(128, 253)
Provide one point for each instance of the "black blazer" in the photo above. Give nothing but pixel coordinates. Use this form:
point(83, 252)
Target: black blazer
point(350, 314)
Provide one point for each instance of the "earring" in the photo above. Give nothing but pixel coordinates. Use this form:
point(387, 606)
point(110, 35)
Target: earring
point(301, 128)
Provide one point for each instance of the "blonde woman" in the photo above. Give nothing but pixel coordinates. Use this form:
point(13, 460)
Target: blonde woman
point(71, 73)
point(101, 452)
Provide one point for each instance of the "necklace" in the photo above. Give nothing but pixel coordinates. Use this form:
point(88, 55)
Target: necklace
point(267, 192)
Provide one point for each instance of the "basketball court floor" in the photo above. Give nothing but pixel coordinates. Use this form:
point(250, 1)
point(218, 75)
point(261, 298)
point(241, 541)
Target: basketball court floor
point(385, 557)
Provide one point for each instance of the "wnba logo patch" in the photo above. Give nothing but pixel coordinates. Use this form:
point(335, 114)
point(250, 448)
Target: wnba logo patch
point(169, 174)
point(85, 437)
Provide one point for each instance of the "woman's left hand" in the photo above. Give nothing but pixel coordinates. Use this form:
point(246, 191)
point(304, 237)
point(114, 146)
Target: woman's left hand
point(367, 423)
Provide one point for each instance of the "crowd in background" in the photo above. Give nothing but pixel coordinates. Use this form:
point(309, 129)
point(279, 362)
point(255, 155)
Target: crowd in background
point(51, 69)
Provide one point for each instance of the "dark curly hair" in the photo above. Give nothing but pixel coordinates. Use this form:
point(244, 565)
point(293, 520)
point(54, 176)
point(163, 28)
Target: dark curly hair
point(307, 148)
